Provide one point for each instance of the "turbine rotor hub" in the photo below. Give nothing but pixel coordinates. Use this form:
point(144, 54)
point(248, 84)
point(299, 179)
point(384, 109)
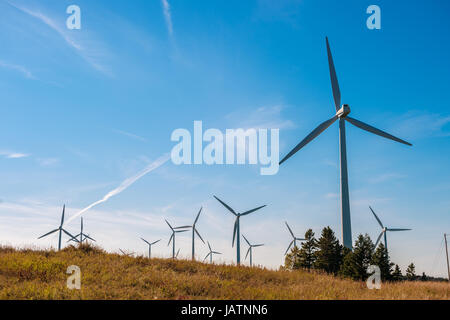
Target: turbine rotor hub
point(343, 111)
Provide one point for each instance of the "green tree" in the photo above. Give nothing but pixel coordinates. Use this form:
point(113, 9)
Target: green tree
point(397, 274)
point(328, 256)
point(355, 263)
point(411, 272)
point(306, 257)
point(291, 261)
point(381, 259)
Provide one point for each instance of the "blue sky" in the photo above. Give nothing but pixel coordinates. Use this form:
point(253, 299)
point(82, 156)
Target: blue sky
point(84, 110)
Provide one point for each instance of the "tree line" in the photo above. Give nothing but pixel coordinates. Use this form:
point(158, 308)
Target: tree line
point(328, 255)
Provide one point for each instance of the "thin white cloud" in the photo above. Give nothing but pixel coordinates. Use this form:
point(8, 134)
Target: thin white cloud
point(418, 124)
point(167, 16)
point(131, 135)
point(386, 177)
point(13, 155)
point(27, 73)
point(46, 162)
point(125, 184)
point(85, 54)
point(261, 118)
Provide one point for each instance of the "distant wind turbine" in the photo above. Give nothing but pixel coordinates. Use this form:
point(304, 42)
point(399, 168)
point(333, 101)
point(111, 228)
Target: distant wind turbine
point(384, 230)
point(195, 231)
point(295, 239)
point(210, 254)
point(150, 244)
point(60, 229)
point(172, 237)
point(250, 250)
point(128, 254)
point(236, 230)
point(81, 234)
point(341, 115)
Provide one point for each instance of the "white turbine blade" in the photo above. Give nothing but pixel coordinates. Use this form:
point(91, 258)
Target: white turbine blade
point(183, 227)
point(176, 256)
point(62, 217)
point(379, 237)
point(374, 130)
point(199, 235)
point(89, 238)
point(170, 240)
point(248, 251)
point(168, 224)
point(215, 252)
point(145, 241)
point(290, 245)
point(66, 232)
point(207, 255)
point(258, 245)
point(234, 231)
point(321, 128)
point(396, 229)
point(155, 242)
point(376, 217)
point(179, 231)
point(209, 246)
point(289, 229)
point(300, 239)
point(246, 240)
point(253, 210)
point(198, 215)
point(226, 206)
point(334, 80)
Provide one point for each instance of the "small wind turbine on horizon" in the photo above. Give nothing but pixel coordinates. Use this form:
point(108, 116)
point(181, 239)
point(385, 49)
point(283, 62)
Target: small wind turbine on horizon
point(236, 230)
point(250, 249)
point(81, 234)
point(295, 239)
point(60, 229)
point(150, 244)
point(172, 237)
point(128, 254)
point(210, 254)
point(384, 230)
point(195, 231)
point(341, 115)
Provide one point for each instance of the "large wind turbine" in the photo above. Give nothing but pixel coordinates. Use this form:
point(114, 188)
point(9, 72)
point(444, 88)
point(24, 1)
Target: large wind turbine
point(150, 244)
point(341, 115)
point(250, 250)
point(81, 234)
point(60, 229)
point(384, 230)
point(195, 231)
point(210, 254)
point(236, 231)
point(172, 237)
point(294, 239)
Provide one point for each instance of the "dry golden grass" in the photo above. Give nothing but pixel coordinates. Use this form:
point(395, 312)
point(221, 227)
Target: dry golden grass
point(30, 274)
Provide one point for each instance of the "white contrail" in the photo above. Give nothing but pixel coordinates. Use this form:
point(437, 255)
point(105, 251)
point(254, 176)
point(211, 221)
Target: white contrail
point(125, 184)
point(168, 16)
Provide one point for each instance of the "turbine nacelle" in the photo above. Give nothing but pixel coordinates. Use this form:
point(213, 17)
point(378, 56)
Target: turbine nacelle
point(343, 111)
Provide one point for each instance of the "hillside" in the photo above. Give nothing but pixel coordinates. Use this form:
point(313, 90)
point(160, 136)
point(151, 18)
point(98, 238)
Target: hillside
point(29, 274)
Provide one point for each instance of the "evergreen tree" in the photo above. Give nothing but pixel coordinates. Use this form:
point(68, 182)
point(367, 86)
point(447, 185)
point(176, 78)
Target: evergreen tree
point(355, 263)
point(424, 277)
point(397, 274)
point(291, 261)
point(328, 256)
point(306, 256)
point(381, 259)
point(411, 272)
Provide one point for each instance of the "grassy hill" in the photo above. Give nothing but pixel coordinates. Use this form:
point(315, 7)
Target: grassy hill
point(29, 274)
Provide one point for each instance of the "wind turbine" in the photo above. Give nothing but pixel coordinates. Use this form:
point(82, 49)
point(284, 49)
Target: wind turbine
point(341, 115)
point(60, 229)
point(195, 231)
point(384, 230)
point(126, 254)
point(81, 234)
point(210, 254)
point(250, 249)
point(294, 241)
point(172, 237)
point(150, 246)
point(236, 231)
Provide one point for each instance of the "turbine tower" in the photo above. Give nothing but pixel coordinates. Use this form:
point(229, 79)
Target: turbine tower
point(250, 250)
point(150, 244)
point(60, 229)
point(210, 254)
point(342, 113)
point(172, 237)
point(236, 231)
point(294, 239)
point(195, 231)
point(384, 230)
point(81, 234)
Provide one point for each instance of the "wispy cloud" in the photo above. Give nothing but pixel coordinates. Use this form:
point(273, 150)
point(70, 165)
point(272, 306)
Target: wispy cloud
point(261, 118)
point(27, 73)
point(47, 162)
point(386, 177)
point(167, 16)
point(82, 51)
point(125, 184)
point(417, 124)
point(13, 155)
point(131, 135)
